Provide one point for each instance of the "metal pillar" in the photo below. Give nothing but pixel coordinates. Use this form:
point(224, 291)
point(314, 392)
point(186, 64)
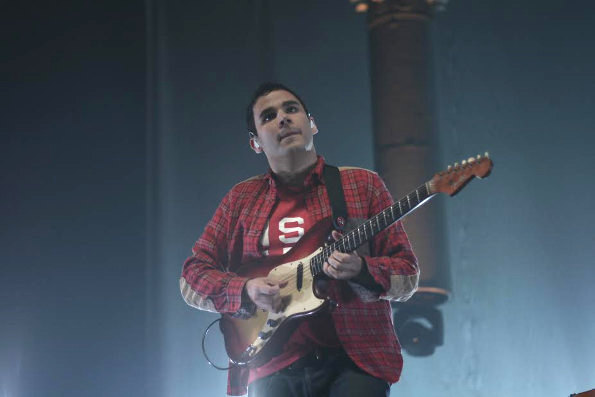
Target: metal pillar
point(405, 142)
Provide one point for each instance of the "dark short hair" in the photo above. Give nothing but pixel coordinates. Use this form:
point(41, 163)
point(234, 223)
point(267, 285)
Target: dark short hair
point(262, 90)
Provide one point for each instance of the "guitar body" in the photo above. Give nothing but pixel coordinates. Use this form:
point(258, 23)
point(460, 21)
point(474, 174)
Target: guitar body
point(255, 340)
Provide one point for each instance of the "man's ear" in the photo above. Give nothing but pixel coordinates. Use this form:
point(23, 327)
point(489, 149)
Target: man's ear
point(255, 145)
point(313, 126)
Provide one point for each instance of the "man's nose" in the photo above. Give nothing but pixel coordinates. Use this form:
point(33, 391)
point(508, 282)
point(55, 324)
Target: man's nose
point(284, 119)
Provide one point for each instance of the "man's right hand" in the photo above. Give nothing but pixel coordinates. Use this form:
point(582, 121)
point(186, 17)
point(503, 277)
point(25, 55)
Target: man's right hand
point(265, 293)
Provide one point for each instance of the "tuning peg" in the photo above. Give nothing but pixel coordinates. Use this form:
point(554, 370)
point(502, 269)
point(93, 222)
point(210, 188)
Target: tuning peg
point(479, 157)
point(464, 163)
point(486, 155)
point(471, 159)
point(456, 165)
point(449, 168)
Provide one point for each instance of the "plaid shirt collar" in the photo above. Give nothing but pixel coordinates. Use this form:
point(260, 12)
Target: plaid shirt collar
point(312, 179)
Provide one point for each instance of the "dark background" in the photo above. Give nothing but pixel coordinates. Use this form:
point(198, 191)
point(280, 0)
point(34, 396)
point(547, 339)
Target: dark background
point(72, 281)
point(122, 127)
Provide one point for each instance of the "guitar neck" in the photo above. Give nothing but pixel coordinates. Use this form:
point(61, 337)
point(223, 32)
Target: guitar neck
point(370, 228)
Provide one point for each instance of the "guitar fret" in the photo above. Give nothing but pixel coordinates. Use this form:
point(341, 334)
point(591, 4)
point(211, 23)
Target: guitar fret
point(368, 229)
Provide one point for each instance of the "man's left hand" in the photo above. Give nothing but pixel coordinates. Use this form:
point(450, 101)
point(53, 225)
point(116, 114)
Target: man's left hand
point(342, 266)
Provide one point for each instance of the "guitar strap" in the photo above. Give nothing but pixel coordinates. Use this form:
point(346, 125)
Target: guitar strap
point(332, 180)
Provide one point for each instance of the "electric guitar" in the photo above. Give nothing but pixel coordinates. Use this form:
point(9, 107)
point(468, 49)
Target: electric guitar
point(255, 340)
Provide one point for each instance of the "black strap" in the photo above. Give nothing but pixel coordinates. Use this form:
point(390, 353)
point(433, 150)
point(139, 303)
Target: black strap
point(332, 179)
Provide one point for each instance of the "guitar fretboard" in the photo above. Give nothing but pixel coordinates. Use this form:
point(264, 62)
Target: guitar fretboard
point(372, 226)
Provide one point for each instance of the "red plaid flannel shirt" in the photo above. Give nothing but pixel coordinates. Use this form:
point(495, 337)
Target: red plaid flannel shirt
point(362, 318)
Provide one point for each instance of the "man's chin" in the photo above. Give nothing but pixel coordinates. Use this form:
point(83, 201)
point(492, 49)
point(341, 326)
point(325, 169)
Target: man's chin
point(295, 143)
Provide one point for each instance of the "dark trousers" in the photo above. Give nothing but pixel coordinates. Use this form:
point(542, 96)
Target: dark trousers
point(321, 374)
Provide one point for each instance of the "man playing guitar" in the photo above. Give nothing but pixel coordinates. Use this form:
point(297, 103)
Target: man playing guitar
point(350, 349)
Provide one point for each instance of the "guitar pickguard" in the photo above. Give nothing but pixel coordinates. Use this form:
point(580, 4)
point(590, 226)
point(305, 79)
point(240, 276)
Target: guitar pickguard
point(297, 297)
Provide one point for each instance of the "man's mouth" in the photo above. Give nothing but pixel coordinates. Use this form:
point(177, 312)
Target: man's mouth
point(284, 135)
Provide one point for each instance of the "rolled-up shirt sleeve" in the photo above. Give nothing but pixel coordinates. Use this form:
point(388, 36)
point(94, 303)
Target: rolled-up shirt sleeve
point(391, 262)
point(206, 283)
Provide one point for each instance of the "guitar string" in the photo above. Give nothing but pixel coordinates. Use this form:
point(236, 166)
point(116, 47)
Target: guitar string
point(405, 202)
point(353, 235)
point(356, 234)
point(326, 251)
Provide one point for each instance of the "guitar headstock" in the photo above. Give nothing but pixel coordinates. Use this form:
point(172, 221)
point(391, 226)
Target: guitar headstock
point(458, 175)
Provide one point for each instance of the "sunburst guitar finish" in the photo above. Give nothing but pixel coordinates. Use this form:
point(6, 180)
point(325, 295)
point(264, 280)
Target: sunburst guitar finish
point(254, 340)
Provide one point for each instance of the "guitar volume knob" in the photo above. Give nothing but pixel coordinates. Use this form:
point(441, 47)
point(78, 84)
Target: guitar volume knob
point(264, 335)
point(272, 323)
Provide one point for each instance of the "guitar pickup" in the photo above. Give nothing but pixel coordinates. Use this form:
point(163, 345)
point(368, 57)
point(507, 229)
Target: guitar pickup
point(272, 323)
point(300, 276)
point(265, 335)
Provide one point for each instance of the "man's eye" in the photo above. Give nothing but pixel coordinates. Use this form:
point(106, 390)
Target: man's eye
point(268, 117)
point(292, 109)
